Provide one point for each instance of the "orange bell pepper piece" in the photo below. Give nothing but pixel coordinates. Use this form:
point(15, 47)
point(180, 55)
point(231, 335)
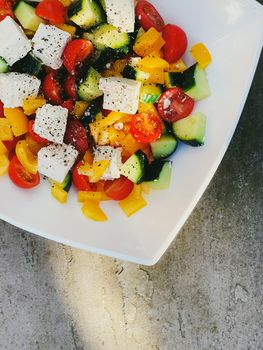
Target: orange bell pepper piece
point(6, 133)
point(148, 42)
point(17, 119)
point(31, 104)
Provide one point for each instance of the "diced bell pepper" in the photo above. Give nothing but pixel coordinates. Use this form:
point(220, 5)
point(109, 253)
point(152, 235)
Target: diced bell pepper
point(91, 209)
point(17, 119)
point(201, 54)
point(31, 104)
point(134, 202)
point(58, 193)
point(148, 42)
point(6, 133)
point(4, 163)
point(94, 171)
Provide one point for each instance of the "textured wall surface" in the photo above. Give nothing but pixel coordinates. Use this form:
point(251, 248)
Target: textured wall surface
point(205, 293)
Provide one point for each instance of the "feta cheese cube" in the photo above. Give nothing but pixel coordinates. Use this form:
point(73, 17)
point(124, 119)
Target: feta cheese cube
point(55, 161)
point(14, 44)
point(51, 122)
point(121, 14)
point(114, 156)
point(48, 45)
point(120, 94)
point(15, 87)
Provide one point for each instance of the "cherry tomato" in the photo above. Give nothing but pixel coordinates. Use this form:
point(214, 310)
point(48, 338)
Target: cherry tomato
point(71, 88)
point(118, 189)
point(52, 89)
point(20, 176)
point(148, 16)
point(175, 43)
point(69, 105)
point(51, 10)
point(35, 136)
point(11, 145)
point(174, 105)
point(76, 135)
point(1, 110)
point(6, 9)
point(81, 182)
point(146, 127)
point(75, 52)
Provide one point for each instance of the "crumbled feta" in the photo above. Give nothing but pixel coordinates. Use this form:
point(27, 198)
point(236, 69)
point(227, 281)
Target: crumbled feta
point(51, 122)
point(49, 43)
point(121, 14)
point(55, 161)
point(14, 44)
point(114, 156)
point(15, 87)
point(120, 94)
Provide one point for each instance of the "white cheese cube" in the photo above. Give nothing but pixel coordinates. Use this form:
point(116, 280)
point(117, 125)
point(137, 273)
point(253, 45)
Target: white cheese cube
point(51, 122)
point(120, 94)
point(55, 161)
point(49, 43)
point(114, 156)
point(14, 44)
point(15, 87)
point(121, 14)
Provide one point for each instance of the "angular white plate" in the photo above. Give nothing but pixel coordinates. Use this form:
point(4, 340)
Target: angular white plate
point(232, 30)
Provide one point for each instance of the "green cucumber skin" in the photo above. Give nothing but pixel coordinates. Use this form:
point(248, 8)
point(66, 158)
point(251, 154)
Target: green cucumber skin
point(3, 66)
point(164, 180)
point(89, 83)
point(164, 147)
point(142, 161)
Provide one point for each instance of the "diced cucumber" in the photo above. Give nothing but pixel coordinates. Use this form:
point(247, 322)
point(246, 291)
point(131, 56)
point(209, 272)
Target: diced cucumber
point(140, 33)
point(159, 174)
point(88, 87)
point(103, 4)
point(134, 167)
point(150, 93)
point(94, 108)
point(66, 184)
point(86, 13)
point(191, 130)
point(26, 15)
point(28, 64)
point(130, 72)
point(164, 147)
point(108, 56)
point(3, 66)
point(193, 81)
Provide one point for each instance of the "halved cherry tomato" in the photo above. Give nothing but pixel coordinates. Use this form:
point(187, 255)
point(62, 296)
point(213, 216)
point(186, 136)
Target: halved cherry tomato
point(81, 182)
point(6, 9)
point(71, 88)
point(146, 127)
point(69, 105)
point(52, 89)
point(148, 16)
point(75, 52)
point(35, 136)
point(174, 105)
point(1, 110)
point(118, 189)
point(175, 43)
point(20, 176)
point(51, 10)
point(76, 135)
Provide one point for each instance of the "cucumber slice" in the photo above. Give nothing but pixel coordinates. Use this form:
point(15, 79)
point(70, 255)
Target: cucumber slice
point(66, 184)
point(103, 4)
point(88, 88)
point(28, 64)
point(201, 89)
point(160, 172)
point(3, 66)
point(86, 13)
point(94, 108)
point(164, 147)
point(26, 15)
point(191, 130)
point(130, 72)
point(134, 167)
point(108, 56)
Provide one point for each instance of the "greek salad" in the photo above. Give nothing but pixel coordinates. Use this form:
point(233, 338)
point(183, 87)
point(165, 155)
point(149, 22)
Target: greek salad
point(95, 95)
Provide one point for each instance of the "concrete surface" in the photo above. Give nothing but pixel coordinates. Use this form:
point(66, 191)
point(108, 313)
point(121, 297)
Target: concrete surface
point(206, 292)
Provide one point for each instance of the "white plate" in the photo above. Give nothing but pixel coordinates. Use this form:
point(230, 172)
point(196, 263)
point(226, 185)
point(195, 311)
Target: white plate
point(232, 30)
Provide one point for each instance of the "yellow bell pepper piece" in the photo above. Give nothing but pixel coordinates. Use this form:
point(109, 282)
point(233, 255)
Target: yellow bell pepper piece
point(17, 119)
point(31, 104)
point(33, 145)
point(115, 136)
point(133, 202)
point(153, 63)
point(178, 67)
point(66, 27)
point(91, 209)
point(130, 145)
point(201, 54)
point(147, 108)
point(65, 3)
point(112, 118)
point(156, 75)
point(6, 133)
point(79, 108)
point(83, 196)
point(116, 69)
point(156, 54)
point(4, 163)
point(26, 157)
point(94, 171)
point(148, 42)
point(59, 194)
point(88, 157)
point(3, 149)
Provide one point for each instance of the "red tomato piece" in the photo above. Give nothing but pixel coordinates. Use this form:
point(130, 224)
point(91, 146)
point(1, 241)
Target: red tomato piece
point(106, 112)
point(118, 189)
point(11, 145)
point(81, 182)
point(20, 176)
point(71, 88)
point(69, 105)
point(6, 9)
point(1, 110)
point(174, 105)
point(146, 127)
point(52, 11)
point(148, 16)
point(76, 135)
point(75, 52)
point(52, 89)
point(35, 136)
point(175, 43)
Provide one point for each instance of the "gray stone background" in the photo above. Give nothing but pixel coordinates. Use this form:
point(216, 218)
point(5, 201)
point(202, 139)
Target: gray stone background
point(205, 293)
